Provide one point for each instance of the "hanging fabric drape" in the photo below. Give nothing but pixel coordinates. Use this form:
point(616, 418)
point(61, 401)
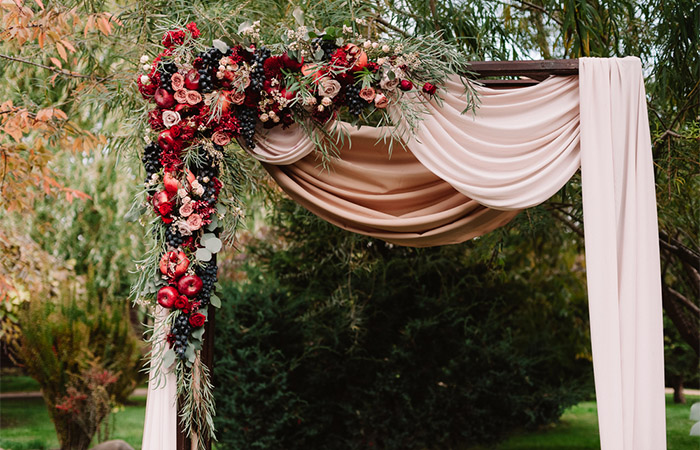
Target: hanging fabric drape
point(463, 175)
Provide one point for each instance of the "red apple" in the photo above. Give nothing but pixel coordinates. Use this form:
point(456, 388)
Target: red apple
point(291, 63)
point(190, 285)
point(190, 176)
point(163, 98)
point(405, 85)
point(166, 141)
point(174, 264)
point(289, 95)
point(167, 296)
point(192, 80)
point(171, 183)
point(184, 109)
point(224, 101)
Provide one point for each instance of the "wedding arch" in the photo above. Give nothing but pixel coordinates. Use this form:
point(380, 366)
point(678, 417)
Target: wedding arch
point(452, 175)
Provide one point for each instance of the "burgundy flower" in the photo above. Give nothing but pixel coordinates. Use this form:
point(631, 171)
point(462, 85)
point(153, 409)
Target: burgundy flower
point(181, 302)
point(197, 320)
point(192, 28)
point(405, 85)
point(429, 88)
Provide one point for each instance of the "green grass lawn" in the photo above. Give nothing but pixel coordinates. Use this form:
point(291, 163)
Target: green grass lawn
point(25, 425)
point(17, 383)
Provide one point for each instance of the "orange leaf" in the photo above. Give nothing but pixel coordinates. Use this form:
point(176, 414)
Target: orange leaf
point(41, 39)
point(53, 79)
point(62, 51)
point(68, 45)
point(89, 25)
point(104, 26)
point(60, 114)
point(44, 114)
point(57, 62)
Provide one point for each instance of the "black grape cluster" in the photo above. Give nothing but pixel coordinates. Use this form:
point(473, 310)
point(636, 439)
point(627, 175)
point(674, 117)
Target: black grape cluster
point(151, 159)
point(352, 98)
point(167, 70)
point(207, 273)
point(247, 118)
point(208, 167)
point(327, 46)
point(257, 74)
point(173, 237)
point(181, 330)
point(210, 61)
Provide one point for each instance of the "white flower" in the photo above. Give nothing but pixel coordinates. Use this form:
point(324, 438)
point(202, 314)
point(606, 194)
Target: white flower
point(182, 193)
point(145, 80)
point(367, 44)
point(183, 228)
point(347, 29)
point(264, 117)
point(272, 114)
point(146, 67)
point(386, 48)
point(320, 108)
point(276, 119)
point(326, 101)
point(170, 118)
point(375, 45)
point(310, 101)
point(144, 59)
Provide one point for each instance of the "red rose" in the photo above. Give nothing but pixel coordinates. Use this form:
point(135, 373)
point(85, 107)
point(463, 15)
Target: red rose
point(181, 302)
point(197, 320)
point(429, 88)
point(175, 131)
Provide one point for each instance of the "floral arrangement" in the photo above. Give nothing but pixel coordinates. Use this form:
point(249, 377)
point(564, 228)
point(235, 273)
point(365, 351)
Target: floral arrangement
point(205, 98)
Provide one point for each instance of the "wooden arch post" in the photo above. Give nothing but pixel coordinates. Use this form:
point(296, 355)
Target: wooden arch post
point(533, 71)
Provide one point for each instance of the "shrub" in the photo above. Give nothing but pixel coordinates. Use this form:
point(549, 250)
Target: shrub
point(85, 356)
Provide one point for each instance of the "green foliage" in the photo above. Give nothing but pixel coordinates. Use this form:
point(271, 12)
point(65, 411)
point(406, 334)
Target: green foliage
point(342, 341)
point(74, 346)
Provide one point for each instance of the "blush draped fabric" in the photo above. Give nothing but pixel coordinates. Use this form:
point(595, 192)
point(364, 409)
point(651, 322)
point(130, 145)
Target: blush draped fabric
point(463, 175)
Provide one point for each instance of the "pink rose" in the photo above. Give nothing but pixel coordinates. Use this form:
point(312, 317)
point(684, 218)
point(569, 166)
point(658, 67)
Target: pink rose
point(181, 96)
point(367, 94)
point(177, 81)
point(194, 222)
point(193, 97)
point(170, 118)
point(381, 101)
point(221, 138)
point(237, 98)
point(328, 87)
point(184, 227)
point(186, 209)
point(389, 85)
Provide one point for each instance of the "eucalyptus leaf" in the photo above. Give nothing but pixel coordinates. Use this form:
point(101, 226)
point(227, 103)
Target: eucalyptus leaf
point(318, 54)
point(218, 286)
point(331, 33)
point(221, 209)
point(168, 358)
point(197, 345)
point(298, 16)
point(202, 254)
point(190, 354)
point(220, 45)
point(197, 334)
point(207, 236)
point(214, 224)
point(228, 41)
point(215, 301)
point(213, 245)
point(245, 25)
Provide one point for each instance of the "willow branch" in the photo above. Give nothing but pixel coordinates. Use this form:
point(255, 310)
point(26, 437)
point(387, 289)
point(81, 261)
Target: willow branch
point(390, 26)
point(54, 69)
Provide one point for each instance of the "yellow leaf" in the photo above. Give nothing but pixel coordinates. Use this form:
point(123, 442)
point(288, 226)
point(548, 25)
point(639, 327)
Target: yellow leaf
point(57, 62)
point(62, 51)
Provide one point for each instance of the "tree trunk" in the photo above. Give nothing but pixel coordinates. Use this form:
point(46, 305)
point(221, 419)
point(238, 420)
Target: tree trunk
point(677, 385)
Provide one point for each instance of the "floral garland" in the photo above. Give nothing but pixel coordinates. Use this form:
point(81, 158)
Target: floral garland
point(231, 91)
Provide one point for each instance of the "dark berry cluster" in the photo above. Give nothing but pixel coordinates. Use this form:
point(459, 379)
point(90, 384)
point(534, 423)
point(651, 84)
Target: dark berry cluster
point(181, 331)
point(167, 70)
point(328, 47)
point(352, 97)
point(247, 118)
point(151, 159)
point(209, 63)
point(257, 74)
point(173, 237)
point(207, 273)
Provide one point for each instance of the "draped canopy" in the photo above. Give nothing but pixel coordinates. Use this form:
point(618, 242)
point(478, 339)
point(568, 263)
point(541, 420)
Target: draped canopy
point(463, 175)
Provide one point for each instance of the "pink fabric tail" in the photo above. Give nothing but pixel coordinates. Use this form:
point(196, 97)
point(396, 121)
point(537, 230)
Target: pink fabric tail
point(622, 255)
